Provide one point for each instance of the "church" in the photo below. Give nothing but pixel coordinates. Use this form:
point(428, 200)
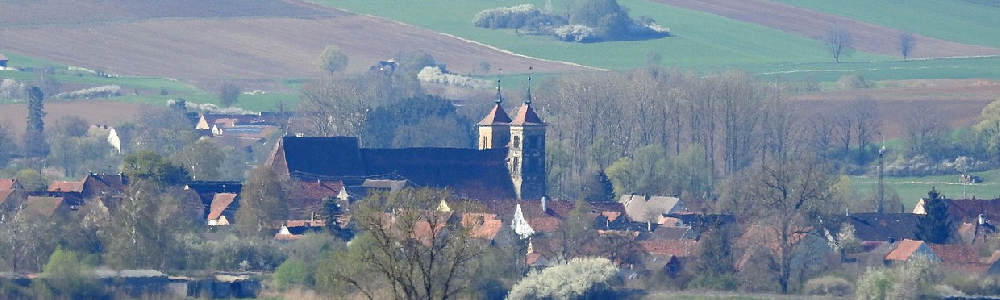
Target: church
point(508, 164)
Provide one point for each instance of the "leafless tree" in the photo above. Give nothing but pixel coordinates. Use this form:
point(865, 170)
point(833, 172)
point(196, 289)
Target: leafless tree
point(907, 43)
point(838, 42)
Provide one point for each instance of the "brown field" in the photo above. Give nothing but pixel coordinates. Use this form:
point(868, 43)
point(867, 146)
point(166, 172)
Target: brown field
point(205, 40)
point(959, 102)
point(95, 112)
point(865, 36)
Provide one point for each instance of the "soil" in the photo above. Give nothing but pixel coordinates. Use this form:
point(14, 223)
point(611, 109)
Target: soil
point(811, 24)
point(268, 40)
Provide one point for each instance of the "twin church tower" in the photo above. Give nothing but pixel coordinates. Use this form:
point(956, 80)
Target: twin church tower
point(524, 138)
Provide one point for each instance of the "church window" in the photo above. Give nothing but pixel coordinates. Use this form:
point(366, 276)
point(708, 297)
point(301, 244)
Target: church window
point(517, 142)
point(517, 165)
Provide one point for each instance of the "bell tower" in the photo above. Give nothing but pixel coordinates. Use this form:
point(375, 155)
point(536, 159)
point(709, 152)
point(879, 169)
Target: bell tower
point(494, 129)
point(526, 152)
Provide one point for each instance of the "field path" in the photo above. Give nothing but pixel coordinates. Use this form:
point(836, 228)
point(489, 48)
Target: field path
point(866, 37)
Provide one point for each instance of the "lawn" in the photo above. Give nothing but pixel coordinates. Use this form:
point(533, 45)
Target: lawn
point(700, 39)
point(942, 68)
point(959, 21)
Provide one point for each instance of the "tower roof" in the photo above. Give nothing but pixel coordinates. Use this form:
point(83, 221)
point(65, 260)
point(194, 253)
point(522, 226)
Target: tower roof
point(497, 116)
point(527, 116)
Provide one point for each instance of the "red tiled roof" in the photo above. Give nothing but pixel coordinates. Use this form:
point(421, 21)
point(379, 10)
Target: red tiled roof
point(305, 223)
point(904, 250)
point(482, 225)
point(66, 186)
point(220, 202)
point(955, 253)
point(526, 116)
point(7, 184)
point(497, 116)
point(679, 248)
point(43, 206)
point(993, 258)
point(4, 194)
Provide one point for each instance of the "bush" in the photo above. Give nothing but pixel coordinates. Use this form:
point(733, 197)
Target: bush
point(294, 272)
point(435, 75)
point(518, 16)
point(106, 91)
point(828, 285)
point(852, 82)
point(580, 278)
point(575, 33)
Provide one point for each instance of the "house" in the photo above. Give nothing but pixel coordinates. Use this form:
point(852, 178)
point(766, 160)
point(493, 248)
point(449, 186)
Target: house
point(509, 162)
point(907, 249)
point(890, 227)
point(44, 206)
point(666, 256)
point(11, 193)
point(651, 210)
point(967, 210)
point(206, 192)
point(3, 61)
point(223, 209)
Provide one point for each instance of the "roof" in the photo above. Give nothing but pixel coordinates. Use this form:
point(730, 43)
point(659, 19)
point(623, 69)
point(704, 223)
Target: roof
point(969, 210)
point(670, 233)
point(470, 173)
point(2, 57)
point(907, 248)
point(539, 221)
point(221, 203)
point(8, 184)
point(877, 227)
point(66, 186)
point(526, 116)
point(43, 206)
point(309, 196)
point(955, 253)
point(104, 184)
point(4, 194)
point(639, 208)
point(496, 117)
point(482, 225)
point(679, 248)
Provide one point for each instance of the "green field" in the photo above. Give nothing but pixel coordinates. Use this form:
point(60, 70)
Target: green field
point(700, 39)
point(953, 20)
point(941, 68)
point(911, 189)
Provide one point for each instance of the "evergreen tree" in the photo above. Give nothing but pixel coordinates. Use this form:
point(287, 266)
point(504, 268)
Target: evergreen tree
point(34, 136)
point(935, 227)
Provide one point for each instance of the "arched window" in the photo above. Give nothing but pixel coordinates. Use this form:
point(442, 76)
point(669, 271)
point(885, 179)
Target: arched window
point(517, 142)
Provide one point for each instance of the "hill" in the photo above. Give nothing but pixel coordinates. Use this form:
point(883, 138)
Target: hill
point(207, 40)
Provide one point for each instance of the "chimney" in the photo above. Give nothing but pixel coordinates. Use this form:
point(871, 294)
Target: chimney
point(544, 209)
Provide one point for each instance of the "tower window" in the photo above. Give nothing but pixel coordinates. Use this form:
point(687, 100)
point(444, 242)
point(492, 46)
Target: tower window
point(517, 165)
point(517, 142)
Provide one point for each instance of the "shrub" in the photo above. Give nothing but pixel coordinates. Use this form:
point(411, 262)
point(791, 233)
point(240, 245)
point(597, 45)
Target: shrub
point(518, 16)
point(435, 75)
point(828, 285)
point(575, 33)
point(294, 272)
point(852, 82)
point(94, 92)
point(578, 279)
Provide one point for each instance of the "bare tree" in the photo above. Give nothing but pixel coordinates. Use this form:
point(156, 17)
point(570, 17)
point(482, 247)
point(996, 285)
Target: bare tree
point(332, 60)
point(228, 94)
point(838, 42)
point(907, 43)
point(784, 194)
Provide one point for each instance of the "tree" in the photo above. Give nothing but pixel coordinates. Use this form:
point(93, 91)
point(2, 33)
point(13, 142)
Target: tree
point(228, 94)
point(34, 136)
point(202, 159)
point(573, 234)
point(31, 179)
point(65, 275)
point(838, 42)
point(8, 146)
point(150, 166)
point(714, 267)
point(332, 60)
point(405, 251)
point(907, 43)
point(784, 194)
point(422, 121)
point(580, 278)
point(935, 227)
point(262, 202)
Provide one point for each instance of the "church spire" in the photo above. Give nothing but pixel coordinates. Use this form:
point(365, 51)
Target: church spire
point(527, 99)
point(520, 225)
point(499, 97)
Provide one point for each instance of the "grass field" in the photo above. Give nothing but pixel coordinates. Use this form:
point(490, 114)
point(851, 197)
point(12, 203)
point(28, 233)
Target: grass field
point(911, 189)
point(959, 21)
point(941, 68)
point(701, 39)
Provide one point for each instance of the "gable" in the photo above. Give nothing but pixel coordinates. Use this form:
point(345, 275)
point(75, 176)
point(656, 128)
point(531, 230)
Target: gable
point(222, 204)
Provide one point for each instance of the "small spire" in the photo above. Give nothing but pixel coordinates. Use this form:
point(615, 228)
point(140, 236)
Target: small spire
point(499, 97)
point(528, 100)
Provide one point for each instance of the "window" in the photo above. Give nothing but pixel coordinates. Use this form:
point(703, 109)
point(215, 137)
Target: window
point(517, 165)
point(517, 142)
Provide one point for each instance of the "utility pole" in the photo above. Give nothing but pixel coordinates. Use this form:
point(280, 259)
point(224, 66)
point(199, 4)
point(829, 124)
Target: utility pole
point(881, 177)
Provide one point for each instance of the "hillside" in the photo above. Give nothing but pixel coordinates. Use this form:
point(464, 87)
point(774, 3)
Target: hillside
point(203, 40)
point(868, 37)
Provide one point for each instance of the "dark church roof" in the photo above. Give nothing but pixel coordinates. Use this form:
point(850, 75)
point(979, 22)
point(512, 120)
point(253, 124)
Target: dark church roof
point(478, 174)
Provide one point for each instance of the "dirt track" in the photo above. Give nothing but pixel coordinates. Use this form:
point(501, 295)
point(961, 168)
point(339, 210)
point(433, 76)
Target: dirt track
point(239, 44)
point(866, 37)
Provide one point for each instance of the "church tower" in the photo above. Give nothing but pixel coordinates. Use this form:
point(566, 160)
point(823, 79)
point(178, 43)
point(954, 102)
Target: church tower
point(494, 129)
point(526, 152)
